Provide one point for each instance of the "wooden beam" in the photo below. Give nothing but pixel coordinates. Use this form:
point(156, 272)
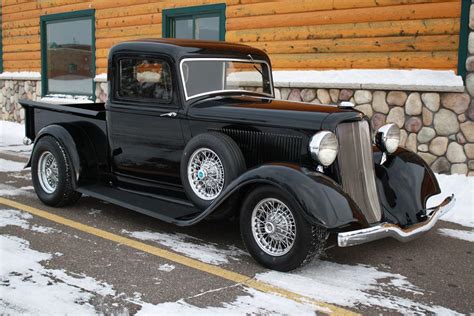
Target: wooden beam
point(129, 21)
point(348, 30)
point(143, 30)
point(375, 14)
point(374, 44)
point(417, 60)
point(294, 6)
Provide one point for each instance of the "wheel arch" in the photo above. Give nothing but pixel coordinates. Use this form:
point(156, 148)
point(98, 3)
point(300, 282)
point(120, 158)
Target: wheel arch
point(321, 200)
point(78, 147)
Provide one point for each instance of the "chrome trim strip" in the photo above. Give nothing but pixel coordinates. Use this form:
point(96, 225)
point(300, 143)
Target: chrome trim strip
point(384, 230)
point(222, 59)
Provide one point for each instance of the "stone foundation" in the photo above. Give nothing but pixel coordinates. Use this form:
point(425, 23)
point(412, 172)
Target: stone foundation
point(437, 126)
point(13, 90)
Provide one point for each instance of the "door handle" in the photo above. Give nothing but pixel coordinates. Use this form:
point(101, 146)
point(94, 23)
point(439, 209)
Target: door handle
point(170, 114)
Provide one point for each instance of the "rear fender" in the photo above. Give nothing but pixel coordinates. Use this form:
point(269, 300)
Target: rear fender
point(404, 182)
point(321, 199)
point(78, 147)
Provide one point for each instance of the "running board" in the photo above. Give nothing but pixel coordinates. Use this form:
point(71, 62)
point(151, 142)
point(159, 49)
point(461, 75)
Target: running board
point(169, 211)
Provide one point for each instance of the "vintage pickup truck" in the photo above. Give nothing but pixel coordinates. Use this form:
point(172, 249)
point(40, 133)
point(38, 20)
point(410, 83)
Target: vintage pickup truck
point(192, 130)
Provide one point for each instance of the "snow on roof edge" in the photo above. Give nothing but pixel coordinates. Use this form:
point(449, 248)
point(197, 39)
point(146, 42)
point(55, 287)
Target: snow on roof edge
point(371, 79)
point(20, 75)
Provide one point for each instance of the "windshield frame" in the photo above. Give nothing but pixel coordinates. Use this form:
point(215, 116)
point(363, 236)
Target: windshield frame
point(249, 61)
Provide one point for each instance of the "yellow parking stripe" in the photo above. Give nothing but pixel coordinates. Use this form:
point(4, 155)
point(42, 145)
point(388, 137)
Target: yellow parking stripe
point(183, 260)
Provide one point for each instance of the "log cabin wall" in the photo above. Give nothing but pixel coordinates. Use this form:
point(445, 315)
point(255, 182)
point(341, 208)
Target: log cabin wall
point(298, 34)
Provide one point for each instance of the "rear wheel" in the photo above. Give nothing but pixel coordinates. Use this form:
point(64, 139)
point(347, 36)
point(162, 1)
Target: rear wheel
point(52, 173)
point(276, 234)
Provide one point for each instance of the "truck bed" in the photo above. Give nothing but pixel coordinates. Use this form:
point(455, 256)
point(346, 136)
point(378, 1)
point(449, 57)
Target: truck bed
point(87, 109)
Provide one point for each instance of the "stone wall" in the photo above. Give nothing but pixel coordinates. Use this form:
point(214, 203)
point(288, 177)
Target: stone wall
point(437, 126)
point(13, 90)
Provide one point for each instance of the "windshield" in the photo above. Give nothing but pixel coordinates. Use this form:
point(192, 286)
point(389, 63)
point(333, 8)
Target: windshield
point(203, 76)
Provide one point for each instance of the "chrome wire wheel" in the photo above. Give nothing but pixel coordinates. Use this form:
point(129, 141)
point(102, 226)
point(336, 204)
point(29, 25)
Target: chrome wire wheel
point(206, 174)
point(273, 227)
point(48, 172)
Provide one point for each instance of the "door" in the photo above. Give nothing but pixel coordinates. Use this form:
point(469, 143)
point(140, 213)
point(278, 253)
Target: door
point(144, 120)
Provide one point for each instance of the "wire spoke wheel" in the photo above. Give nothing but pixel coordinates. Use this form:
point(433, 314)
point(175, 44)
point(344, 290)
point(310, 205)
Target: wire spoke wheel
point(273, 227)
point(48, 172)
point(206, 174)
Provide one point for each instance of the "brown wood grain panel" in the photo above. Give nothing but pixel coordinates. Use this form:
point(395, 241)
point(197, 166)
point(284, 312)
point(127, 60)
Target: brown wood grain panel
point(376, 14)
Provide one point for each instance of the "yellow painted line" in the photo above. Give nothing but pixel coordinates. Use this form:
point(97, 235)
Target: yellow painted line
point(183, 260)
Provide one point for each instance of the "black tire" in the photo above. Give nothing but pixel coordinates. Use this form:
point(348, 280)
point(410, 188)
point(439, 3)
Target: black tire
point(229, 154)
point(64, 193)
point(309, 241)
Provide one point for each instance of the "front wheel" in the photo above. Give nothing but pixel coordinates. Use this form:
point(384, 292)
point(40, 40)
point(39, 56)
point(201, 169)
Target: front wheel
point(52, 173)
point(276, 234)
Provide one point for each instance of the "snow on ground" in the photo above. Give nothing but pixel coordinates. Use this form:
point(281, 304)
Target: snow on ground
point(10, 166)
point(166, 267)
point(25, 284)
point(8, 190)
point(255, 303)
point(191, 246)
point(11, 137)
point(463, 189)
point(353, 286)
point(459, 234)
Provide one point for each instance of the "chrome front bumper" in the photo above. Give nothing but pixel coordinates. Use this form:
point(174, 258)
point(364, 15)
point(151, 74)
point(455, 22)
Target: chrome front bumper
point(383, 230)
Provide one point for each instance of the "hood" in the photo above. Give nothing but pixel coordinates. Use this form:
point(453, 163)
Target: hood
point(271, 112)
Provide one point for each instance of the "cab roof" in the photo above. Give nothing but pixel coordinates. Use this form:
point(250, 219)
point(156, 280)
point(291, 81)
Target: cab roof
point(188, 48)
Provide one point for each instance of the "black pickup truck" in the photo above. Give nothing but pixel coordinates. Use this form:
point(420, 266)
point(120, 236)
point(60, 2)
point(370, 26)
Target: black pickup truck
point(191, 130)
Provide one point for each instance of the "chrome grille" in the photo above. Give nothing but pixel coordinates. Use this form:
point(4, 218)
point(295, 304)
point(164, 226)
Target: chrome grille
point(356, 166)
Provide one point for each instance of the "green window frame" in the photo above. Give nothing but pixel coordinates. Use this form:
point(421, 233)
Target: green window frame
point(170, 15)
point(463, 38)
point(65, 17)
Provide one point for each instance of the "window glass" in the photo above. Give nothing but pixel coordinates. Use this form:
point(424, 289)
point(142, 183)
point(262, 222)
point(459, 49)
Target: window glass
point(225, 76)
point(183, 28)
point(69, 59)
point(207, 28)
point(145, 79)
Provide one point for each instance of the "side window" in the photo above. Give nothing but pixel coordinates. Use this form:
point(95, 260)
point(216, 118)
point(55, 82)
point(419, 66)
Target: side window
point(148, 79)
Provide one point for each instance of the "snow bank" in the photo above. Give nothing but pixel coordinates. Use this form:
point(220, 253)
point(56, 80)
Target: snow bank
point(191, 246)
point(463, 188)
point(11, 133)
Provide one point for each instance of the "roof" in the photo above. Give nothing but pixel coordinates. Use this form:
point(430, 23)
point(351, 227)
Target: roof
point(181, 48)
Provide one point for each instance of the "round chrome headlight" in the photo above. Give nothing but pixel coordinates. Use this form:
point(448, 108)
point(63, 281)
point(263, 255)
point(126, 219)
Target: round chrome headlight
point(323, 147)
point(388, 138)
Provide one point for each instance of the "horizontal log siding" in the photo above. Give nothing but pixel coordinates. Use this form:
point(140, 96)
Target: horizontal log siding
point(297, 34)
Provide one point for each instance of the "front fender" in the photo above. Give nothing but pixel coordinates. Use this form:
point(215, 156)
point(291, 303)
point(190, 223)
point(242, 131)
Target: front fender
point(322, 200)
point(404, 182)
point(78, 148)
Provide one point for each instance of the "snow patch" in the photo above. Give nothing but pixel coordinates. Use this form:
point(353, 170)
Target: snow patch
point(166, 267)
point(10, 217)
point(10, 166)
point(65, 99)
point(11, 137)
point(191, 246)
point(101, 77)
point(459, 234)
point(352, 286)
point(255, 303)
point(8, 190)
point(27, 286)
point(463, 189)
